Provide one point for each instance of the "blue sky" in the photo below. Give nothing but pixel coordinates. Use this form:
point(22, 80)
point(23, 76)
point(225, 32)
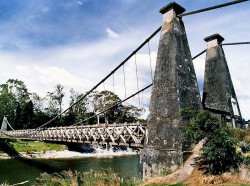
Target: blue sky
point(77, 42)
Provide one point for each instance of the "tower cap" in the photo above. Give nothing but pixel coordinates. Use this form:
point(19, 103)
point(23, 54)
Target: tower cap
point(173, 5)
point(214, 36)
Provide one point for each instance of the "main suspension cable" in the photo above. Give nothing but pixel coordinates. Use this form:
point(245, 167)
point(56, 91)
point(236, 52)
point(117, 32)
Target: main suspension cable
point(117, 103)
point(212, 8)
point(104, 79)
point(199, 54)
point(132, 96)
point(138, 48)
point(238, 43)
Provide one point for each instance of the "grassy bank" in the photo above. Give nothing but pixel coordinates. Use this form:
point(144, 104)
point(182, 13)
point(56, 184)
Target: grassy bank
point(104, 177)
point(107, 177)
point(33, 146)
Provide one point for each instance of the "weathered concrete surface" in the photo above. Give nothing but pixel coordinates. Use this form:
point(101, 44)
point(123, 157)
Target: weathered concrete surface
point(175, 87)
point(218, 93)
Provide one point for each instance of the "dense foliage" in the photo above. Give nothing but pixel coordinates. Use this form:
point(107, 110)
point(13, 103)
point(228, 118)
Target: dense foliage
point(28, 110)
point(219, 150)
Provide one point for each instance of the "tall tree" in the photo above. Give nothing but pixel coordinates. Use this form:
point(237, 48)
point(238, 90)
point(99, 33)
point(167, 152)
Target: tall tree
point(8, 104)
point(115, 111)
point(130, 113)
point(38, 102)
point(79, 111)
point(15, 100)
point(59, 94)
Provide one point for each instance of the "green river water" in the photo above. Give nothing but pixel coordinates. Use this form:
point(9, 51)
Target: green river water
point(14, 171)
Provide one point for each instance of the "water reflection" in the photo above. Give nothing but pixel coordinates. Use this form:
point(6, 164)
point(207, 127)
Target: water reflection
point(15, 171)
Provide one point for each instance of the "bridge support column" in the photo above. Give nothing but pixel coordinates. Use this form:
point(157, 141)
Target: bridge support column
point(218, 94)
point(4, 124)
point(175, 87)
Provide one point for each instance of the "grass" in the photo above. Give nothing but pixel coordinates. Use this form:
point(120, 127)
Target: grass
point(32, 146)
point(102, 178)
point(241, 135)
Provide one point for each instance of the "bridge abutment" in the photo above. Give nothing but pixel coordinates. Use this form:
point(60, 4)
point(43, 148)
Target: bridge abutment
point(175, 87)
point(218, 93)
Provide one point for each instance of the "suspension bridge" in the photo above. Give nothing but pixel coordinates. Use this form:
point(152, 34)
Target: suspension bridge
point(174, 87)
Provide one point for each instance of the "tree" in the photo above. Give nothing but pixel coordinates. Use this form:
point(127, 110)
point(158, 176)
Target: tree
point(52, 107)
point(218, 152)
point(8, 104)
point(24, 115)
point(55, 100)
point(38, 102)
point(16, 104)
point(101, 101)
point(18, 88)
point(130, 113)
point(114, 110)
point(59, 94)
point(78, 111)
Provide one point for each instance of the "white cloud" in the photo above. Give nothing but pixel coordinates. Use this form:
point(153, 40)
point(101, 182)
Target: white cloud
point(55, 75)
point(22, 69)
point(112, 34)
point(199, 66)
point(82, 65)
point(79, 2)
point(78, 66)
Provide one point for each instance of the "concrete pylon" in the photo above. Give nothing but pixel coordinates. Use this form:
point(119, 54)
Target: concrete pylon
point(4, 124)
point(175, 87)
point(218, 93)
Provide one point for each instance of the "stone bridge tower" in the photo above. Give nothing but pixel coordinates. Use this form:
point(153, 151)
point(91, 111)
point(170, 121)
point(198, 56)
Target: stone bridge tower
point(175, 87)
point(218, 94)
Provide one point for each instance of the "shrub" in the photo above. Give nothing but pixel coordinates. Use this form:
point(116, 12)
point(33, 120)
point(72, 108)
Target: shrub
point(200, 124)
point(247, 136)
point(219, 150)
point(238, 134)
point(247, 139)
point(244, 147)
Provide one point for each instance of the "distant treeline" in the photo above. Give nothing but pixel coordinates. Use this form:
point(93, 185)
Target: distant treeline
point(28, 110)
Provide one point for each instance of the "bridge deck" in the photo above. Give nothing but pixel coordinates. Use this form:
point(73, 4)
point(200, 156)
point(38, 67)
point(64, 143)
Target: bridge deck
point(127, 134)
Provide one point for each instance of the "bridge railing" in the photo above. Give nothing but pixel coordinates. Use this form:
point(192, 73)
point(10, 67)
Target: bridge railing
point(122, 134)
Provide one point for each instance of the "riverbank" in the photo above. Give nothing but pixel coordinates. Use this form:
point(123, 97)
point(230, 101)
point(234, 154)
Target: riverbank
point(41, 150)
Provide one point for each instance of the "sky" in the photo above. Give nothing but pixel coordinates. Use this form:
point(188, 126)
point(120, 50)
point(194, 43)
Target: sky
point(76, 43)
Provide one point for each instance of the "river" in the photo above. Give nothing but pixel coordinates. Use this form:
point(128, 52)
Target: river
point(14, 171)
